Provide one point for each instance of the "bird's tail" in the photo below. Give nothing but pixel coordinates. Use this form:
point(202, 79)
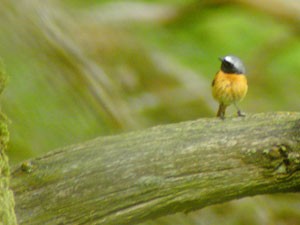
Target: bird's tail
point(221, 110)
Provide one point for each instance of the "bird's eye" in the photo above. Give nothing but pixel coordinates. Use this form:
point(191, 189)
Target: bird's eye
point(228, 64)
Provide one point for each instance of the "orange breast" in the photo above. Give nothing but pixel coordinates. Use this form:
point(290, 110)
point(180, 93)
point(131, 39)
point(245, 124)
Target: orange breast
point(229, 88)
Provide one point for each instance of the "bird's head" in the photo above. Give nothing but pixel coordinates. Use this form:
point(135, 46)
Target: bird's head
point(232, 64)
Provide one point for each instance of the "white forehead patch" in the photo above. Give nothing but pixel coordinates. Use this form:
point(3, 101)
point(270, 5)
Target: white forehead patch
point(230, 59)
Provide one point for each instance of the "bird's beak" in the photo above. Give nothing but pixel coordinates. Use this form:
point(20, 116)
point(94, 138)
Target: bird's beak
point(221, 59)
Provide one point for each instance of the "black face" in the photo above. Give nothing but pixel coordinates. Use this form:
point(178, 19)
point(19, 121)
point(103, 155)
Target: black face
point(232, 64)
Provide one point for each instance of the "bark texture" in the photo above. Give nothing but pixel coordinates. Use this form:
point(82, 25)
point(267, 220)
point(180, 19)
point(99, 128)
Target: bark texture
point(132, 177)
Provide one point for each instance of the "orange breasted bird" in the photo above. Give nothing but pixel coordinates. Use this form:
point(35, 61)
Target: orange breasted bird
point(230, 84)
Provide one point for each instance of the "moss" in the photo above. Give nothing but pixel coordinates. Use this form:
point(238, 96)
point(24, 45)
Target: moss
point(27, 167)
point(7, 214)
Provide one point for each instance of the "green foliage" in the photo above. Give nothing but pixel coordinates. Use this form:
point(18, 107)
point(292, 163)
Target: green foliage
point(98, 70)
point(52, 91)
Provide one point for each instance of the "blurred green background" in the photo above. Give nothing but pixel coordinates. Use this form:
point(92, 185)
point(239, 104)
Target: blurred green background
point(82, 69)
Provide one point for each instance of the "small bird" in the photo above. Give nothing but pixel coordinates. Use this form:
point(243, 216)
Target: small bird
point(230, 84)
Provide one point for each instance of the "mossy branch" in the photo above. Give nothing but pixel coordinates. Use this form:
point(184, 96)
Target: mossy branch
point(132, 177)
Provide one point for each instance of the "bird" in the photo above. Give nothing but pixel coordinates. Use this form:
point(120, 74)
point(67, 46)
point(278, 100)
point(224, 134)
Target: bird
point(229, 85)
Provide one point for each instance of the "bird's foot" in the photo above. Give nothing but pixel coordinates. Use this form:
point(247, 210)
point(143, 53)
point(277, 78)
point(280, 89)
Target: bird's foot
point(241, 114)
point(222, 117)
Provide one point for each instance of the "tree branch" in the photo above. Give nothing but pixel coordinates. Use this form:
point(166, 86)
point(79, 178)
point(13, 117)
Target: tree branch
point(132, 177)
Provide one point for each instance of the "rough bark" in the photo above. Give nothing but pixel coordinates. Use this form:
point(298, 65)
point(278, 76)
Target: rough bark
point(132, 177)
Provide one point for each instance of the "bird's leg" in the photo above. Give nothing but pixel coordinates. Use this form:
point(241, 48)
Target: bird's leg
point(221, 111)
point(239, 112)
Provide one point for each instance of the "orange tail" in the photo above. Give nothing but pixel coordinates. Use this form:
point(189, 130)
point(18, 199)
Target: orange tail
point(221, 110)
